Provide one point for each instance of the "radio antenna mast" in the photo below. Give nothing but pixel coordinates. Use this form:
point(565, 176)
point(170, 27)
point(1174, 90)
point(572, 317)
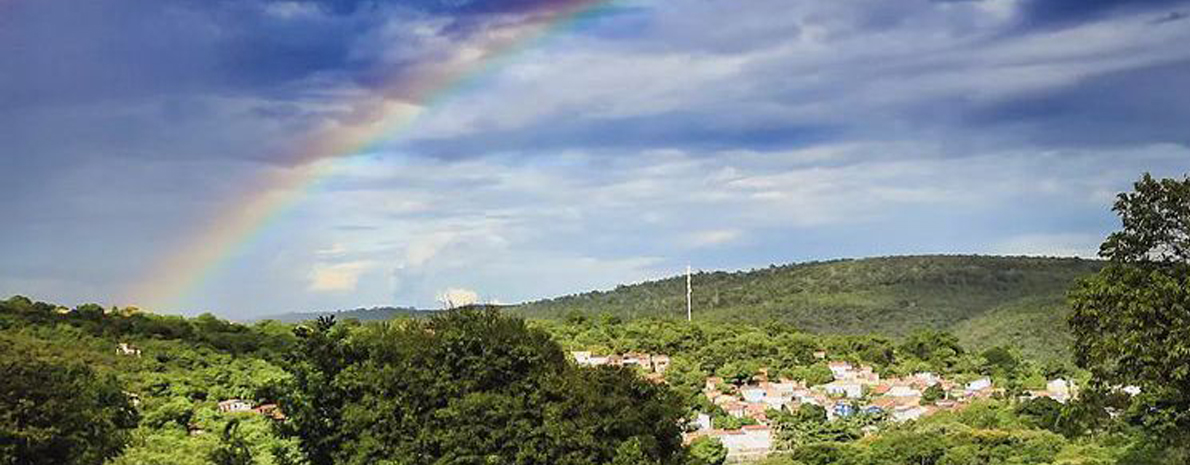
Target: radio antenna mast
point(688, 313)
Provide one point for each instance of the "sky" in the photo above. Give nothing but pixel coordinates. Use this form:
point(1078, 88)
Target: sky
point(552, 153)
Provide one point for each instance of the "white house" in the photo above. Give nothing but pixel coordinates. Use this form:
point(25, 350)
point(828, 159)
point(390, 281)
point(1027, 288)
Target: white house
point(903, 391)
point(906, 413)
point(979, 385)
point(753, 394)
point(850, 390)
point(752, 441)
point(127, 349)
point(234, 405)
point(841, 370)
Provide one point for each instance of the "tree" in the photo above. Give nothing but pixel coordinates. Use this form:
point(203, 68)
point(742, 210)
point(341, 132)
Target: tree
point(933, 394)
point(1131, 321)
point(707, 451)
point(60, 413)
point(469, 386)
point(232, 450)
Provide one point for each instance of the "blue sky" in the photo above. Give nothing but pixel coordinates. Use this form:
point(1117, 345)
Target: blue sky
point(719, 133)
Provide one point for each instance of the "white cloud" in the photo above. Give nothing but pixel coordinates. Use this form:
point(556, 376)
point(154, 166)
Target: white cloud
point(712, 237)
point(340, 277)
point(457, 297)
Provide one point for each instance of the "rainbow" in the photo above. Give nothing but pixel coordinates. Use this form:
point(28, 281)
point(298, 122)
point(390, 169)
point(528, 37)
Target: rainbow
point(174, 279)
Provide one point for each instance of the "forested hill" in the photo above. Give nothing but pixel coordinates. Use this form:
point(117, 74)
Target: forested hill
point(983, 299)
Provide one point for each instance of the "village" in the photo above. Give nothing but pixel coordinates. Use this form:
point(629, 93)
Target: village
point(854, 390)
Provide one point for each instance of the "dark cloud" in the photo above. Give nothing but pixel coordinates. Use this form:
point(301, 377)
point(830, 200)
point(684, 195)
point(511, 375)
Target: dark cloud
point(1147, 105)
point(695, 130)
point(1058, 13)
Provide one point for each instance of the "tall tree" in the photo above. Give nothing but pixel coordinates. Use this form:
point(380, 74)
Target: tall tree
point(469, 386)
point(60, 413)
point(233, 449)
point(1131, 321)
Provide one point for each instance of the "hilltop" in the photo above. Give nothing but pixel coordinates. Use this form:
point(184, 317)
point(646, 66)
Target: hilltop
point(985, 300)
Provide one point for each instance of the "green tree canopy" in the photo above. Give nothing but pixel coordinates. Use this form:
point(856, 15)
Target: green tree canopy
point(1131, 321)
point(59, 413)
point(469, 386)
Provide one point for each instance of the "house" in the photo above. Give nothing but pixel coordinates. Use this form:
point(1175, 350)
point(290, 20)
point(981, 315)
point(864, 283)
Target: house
point(234, 405)
point(757, 412)
point(820, 354)
point(712, 383)
point(127, 349)
point(749, 442)
point(978, 385)
point(847, 389)
point(735, 409)
point(660, 363)
point(703, 421)
point(925, 379)
point(906, 413)
point(841, 370)
point(270, 410)
point(753, 394)
point(842, 410)
point(636, 360)
point(903, 391)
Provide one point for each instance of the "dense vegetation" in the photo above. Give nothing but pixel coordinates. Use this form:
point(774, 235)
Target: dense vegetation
point(992, 432)
point(186, 366)
point(893, 296)
point(477, 386)
point(469, 386)
point(1132, 320)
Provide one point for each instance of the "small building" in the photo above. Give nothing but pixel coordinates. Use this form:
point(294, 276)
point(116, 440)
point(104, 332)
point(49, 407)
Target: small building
point(735, 409)
point(842, 410)
point(234, 405)
point(127, 349)
point(703, 422)
point(660, 363)
point(749, 442)
point(903, 391)
point(846, 389)
point(979, 385)
point(841, 370)
point(270, 410)
point(906, 413)
point(581, 357)
point(753, 394)
point(713, 383)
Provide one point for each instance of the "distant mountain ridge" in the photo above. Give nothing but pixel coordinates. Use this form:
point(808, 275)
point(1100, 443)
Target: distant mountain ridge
point(361, 314)
point(985, 300)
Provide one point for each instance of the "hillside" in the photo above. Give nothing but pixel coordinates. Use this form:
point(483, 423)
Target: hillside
point(984, 300)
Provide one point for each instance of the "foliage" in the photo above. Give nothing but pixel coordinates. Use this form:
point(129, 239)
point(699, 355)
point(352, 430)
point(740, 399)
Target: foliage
point(893, 297)
point(59, 412)
point(1131, 321)
point(933, 394)
point(468, 386)
point(232, 450)
point(707, 451)
point(186, 366)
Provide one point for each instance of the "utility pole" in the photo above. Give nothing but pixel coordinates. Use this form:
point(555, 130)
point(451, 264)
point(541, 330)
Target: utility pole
point(688, 313)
